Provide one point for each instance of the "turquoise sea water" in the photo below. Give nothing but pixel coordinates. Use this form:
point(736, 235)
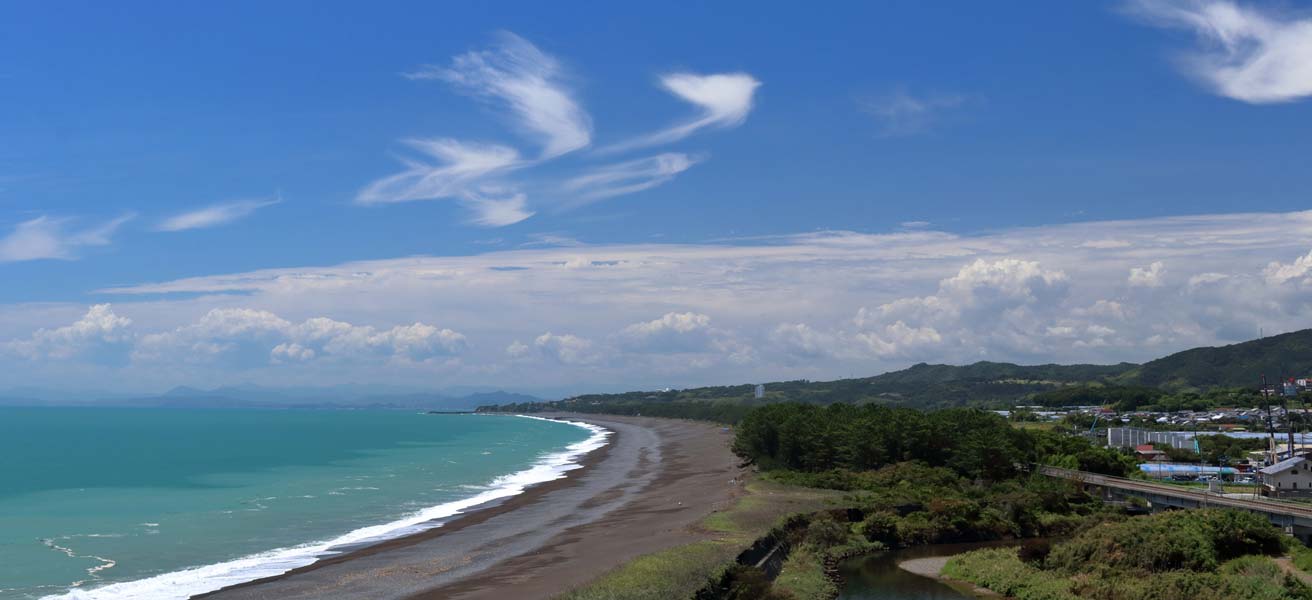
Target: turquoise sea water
point(158, 503)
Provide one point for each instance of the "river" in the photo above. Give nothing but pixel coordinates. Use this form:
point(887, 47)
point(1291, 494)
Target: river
point(877, 576)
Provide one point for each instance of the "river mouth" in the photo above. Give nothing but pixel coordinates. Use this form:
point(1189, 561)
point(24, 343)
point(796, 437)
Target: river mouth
point(877, 576)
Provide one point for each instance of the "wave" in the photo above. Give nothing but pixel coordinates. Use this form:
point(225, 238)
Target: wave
point(199, 580)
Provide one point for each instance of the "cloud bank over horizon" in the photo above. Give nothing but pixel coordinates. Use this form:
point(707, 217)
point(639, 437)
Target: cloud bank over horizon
point(816, 305)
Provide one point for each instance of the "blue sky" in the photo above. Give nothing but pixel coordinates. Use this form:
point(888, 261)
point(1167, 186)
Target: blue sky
point(155, 144)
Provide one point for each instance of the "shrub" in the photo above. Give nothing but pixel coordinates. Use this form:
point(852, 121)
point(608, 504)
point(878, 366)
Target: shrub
point(1196, 540)
point(1034, 552)
point(824, 531)
point(751, 583)
point(880, 526)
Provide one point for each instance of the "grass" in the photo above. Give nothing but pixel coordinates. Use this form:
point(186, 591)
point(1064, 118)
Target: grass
point(679, 571)
point(673, 573)
point(803, 576)
point(999, 570)
point(1251, 577)
point(1301, 556)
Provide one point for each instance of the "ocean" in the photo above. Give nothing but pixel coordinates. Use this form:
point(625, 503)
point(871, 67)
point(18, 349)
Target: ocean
point(166, 503)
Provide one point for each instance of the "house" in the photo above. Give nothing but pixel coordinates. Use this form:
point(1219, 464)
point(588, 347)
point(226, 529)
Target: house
point(1147, 453)
point(1288, 478)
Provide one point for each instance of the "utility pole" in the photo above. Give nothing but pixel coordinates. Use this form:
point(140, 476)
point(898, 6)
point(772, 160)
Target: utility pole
point(1289, 418)
point(1270, 425)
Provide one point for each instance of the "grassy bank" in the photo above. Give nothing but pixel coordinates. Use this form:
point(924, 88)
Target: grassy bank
point(1185, 555)
point(680, 571)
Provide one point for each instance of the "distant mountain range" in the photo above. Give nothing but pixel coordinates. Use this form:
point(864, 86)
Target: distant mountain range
point(251, 396)
point(993, 383)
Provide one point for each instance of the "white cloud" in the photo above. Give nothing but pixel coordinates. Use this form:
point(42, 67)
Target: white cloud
point(673, 332)
point(725, 100)
point(1003, 304)
point(902, 113)
point(628, 177)
point(1279, 273)
point(1247, 53)
point(213, 215)
point(1206, 278)
point(517, 75)
point(458, 165)
point(291, 352)
point(48, 238)
point(529, 82)
point(517, 349)
point(1150, 276)
point(633, 311)
point(803, 341)
point(567, 348)
point(97, 329)
point(247, 338)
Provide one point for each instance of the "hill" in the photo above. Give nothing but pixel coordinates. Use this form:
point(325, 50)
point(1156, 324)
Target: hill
point(981, 384)
point(1236, 365)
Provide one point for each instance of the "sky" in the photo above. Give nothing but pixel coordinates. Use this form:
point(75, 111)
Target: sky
point(566, 197)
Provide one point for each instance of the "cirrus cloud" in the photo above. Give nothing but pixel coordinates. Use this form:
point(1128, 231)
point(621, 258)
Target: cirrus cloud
point(1247, 53)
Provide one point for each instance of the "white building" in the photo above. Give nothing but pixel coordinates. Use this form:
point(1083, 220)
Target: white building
point(760, 391)
point(1288, 478)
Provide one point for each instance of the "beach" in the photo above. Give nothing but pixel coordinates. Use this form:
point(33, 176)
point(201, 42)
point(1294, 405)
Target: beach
point(641, 493)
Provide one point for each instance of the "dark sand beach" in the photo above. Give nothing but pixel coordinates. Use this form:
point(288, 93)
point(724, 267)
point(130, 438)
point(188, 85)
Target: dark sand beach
point(642, 493)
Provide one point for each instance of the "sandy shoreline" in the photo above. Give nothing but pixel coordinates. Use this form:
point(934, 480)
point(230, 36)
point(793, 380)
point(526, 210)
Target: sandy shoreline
point(932, 567)
point(640, 493)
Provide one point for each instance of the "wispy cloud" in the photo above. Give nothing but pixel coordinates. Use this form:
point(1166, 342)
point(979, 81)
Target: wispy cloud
point(457, 166)
point(497, 207)
point(516, 75)
point(1246, 53)
point(51, 238)
point(627, 177)
point(724, 99)
point(529, 82)
point(213, 215)
point(902, 113)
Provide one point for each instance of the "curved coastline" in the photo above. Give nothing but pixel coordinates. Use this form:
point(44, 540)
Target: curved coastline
point(207, 580)
point(647, 490)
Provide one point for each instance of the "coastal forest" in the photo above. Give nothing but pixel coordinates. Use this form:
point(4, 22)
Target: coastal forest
point(963, 475)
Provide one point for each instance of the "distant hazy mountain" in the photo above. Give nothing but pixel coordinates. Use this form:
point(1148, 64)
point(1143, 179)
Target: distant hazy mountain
point(252, 396)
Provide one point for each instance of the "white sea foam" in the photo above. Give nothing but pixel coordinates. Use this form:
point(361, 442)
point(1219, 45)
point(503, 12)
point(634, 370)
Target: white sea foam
point(198, 580)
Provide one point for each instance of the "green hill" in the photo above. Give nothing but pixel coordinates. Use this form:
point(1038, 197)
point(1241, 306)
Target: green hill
point(1236, 365)
point(982, 384)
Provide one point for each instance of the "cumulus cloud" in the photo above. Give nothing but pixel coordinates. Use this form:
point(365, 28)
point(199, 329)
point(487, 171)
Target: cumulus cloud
point(900, 113)
point(1279, 273)
point(213, 215)
point(518, 75)
point(1006, 303)
point(1150, 276)
point(803, 341)
point(249, 337)
point(566, 348)
point(632, 313)
point(99, 329)
point(724, 100)
point(628, 177)
point(1247, 53)
point(50, 238)
point(673, 332)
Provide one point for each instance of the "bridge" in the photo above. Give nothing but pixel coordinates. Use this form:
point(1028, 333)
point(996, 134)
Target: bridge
point(1295, 519)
